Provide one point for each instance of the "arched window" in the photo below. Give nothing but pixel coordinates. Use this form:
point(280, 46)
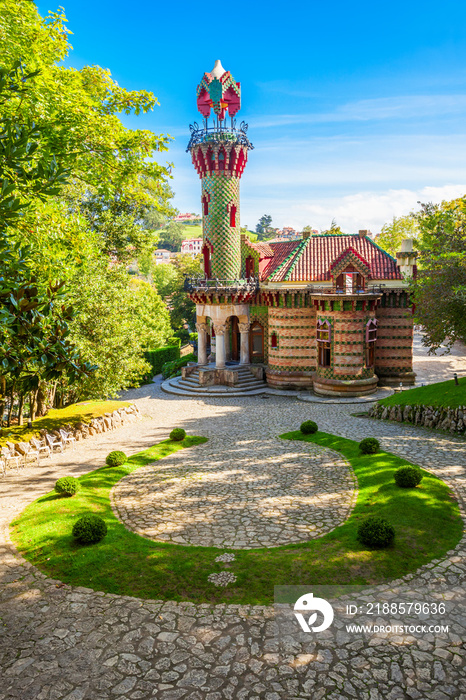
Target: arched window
point(221, 160)
point(205, 203)
point(257, 341)
point(324, 343)
point(206, 254)
point(232, 215)
point(249, 266)
point(371, 337)
point(274, 340)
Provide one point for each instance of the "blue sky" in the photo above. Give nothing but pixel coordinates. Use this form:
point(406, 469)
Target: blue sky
point(356, 110)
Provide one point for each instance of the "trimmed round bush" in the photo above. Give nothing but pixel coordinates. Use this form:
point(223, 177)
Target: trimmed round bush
point(116, 458)
point(89, 529)
point(177, 434)
point(408, 477)
point(308, 427)
point(376, 532)
point(67, 485)
point(369, 446)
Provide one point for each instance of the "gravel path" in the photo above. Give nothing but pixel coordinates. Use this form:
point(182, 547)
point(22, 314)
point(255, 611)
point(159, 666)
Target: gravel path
point(59, 643)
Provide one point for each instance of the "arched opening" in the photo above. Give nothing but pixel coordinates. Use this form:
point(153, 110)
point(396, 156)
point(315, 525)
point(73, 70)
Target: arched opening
point(371, 337)
point(256, 341)
point(250, 266)
point(205, 204)
point(324, 343)
point(274, 340)
point(232, 160)
point(221, 159)
point(235, 339)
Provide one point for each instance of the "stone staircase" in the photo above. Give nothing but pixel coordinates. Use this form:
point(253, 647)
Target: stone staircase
point(247, 384)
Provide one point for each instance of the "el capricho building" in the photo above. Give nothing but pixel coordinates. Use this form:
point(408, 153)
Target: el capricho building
point(330, 313)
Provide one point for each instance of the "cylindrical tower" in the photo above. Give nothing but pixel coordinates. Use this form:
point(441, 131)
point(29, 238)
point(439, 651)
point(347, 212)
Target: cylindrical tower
point(219, 153)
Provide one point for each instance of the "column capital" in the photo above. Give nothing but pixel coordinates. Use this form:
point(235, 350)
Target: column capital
point(244, 327)
point(220, 328)
point(201, 327)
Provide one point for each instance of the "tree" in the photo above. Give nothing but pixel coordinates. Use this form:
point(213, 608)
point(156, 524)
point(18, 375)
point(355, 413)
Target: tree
point(263, 226)
point(440, 287)
point(182, 309)
point(334, 230)
point(399, 228)
point(165, 278)
point(172, 237)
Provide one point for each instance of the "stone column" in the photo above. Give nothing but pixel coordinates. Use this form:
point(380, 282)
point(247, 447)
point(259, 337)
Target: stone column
point(201, 343)
point(220, 331)
point(244, 351)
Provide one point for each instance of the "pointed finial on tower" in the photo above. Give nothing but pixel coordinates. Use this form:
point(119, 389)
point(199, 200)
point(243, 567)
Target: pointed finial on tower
point(218, 70)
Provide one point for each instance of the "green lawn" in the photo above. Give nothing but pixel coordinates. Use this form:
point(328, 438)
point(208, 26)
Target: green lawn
point(426, 519)
point(75, 413)
point(443, 394)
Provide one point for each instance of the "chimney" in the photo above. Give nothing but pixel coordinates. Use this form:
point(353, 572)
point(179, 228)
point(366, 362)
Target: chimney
point(363, 233)
point(406, 257)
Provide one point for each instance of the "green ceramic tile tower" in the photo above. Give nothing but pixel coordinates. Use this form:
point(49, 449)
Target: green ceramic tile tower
point(219, 153)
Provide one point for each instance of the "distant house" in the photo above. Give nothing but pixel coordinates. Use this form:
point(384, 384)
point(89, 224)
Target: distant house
point(192, 246)
point(189, 219)
point(162, 255)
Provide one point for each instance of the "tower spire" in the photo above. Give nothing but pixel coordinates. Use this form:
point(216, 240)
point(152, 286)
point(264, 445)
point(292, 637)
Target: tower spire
point(219, 153)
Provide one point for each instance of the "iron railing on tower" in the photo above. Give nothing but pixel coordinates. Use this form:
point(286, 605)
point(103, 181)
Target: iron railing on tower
point(219, 132)
point(200, 284)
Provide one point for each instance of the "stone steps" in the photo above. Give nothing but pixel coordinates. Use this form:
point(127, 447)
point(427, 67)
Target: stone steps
point(247, 384)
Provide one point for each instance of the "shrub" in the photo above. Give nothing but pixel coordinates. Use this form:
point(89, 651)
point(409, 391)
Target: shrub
point(89, 529)
point(408, 477)
point(171, 369)
point(376, 532)
point(157, 358)
point(177, 434)
point(115, 458)
point(369, 446)
point(308, 427)
point(67, 485)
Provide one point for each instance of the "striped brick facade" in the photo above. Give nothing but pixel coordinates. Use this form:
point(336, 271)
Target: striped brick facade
point(293, 361)
point(394, 348)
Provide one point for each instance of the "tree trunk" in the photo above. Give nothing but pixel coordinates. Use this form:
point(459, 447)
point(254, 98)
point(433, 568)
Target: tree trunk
point(52, 394)
point(12, 400)
point(20, 409)
point(41, 396)
point(33, 404)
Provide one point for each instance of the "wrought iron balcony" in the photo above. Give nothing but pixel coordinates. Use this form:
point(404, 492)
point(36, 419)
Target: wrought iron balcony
point(370, 289)
point(199, 284)
point(220, 132)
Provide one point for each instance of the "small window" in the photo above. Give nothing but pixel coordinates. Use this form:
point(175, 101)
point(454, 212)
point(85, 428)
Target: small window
point(249, 266)
point(371, 337)
point(205, 204)
point(274, 340)
point(323, 343)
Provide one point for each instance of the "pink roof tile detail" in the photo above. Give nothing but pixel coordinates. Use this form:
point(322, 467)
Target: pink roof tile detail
point(315, 259)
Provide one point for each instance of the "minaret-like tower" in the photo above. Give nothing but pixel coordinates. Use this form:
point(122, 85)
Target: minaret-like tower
point(219, 152)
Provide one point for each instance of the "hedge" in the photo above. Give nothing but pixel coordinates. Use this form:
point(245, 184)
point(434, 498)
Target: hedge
point(172, 369)
point(157, 358)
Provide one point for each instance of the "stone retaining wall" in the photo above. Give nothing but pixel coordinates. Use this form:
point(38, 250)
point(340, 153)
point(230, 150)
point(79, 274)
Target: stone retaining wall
point(451, 419)
point(81, 431)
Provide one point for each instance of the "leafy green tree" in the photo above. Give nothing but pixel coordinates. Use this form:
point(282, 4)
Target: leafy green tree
point(172, 237)
point(165, 278)
point(440, 286)
point(399, 228)
point(263, 226)
point(182, 309)
point(334, 229)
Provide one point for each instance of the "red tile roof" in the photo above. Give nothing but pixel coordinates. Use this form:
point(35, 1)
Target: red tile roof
point(283, 254)
point(311, 259)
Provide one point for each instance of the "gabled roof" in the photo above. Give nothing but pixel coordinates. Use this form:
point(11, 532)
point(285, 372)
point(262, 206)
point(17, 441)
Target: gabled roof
point(312, 258)
point(264, 249)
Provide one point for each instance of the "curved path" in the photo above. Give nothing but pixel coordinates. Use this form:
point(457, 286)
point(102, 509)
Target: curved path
point(63, 643)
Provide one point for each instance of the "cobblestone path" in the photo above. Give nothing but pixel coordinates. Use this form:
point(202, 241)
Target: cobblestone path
point(255, 493)
point(58, 643)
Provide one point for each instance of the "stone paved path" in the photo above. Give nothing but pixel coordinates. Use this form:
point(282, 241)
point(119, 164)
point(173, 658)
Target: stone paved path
point(250, 493)
point(58, 643)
